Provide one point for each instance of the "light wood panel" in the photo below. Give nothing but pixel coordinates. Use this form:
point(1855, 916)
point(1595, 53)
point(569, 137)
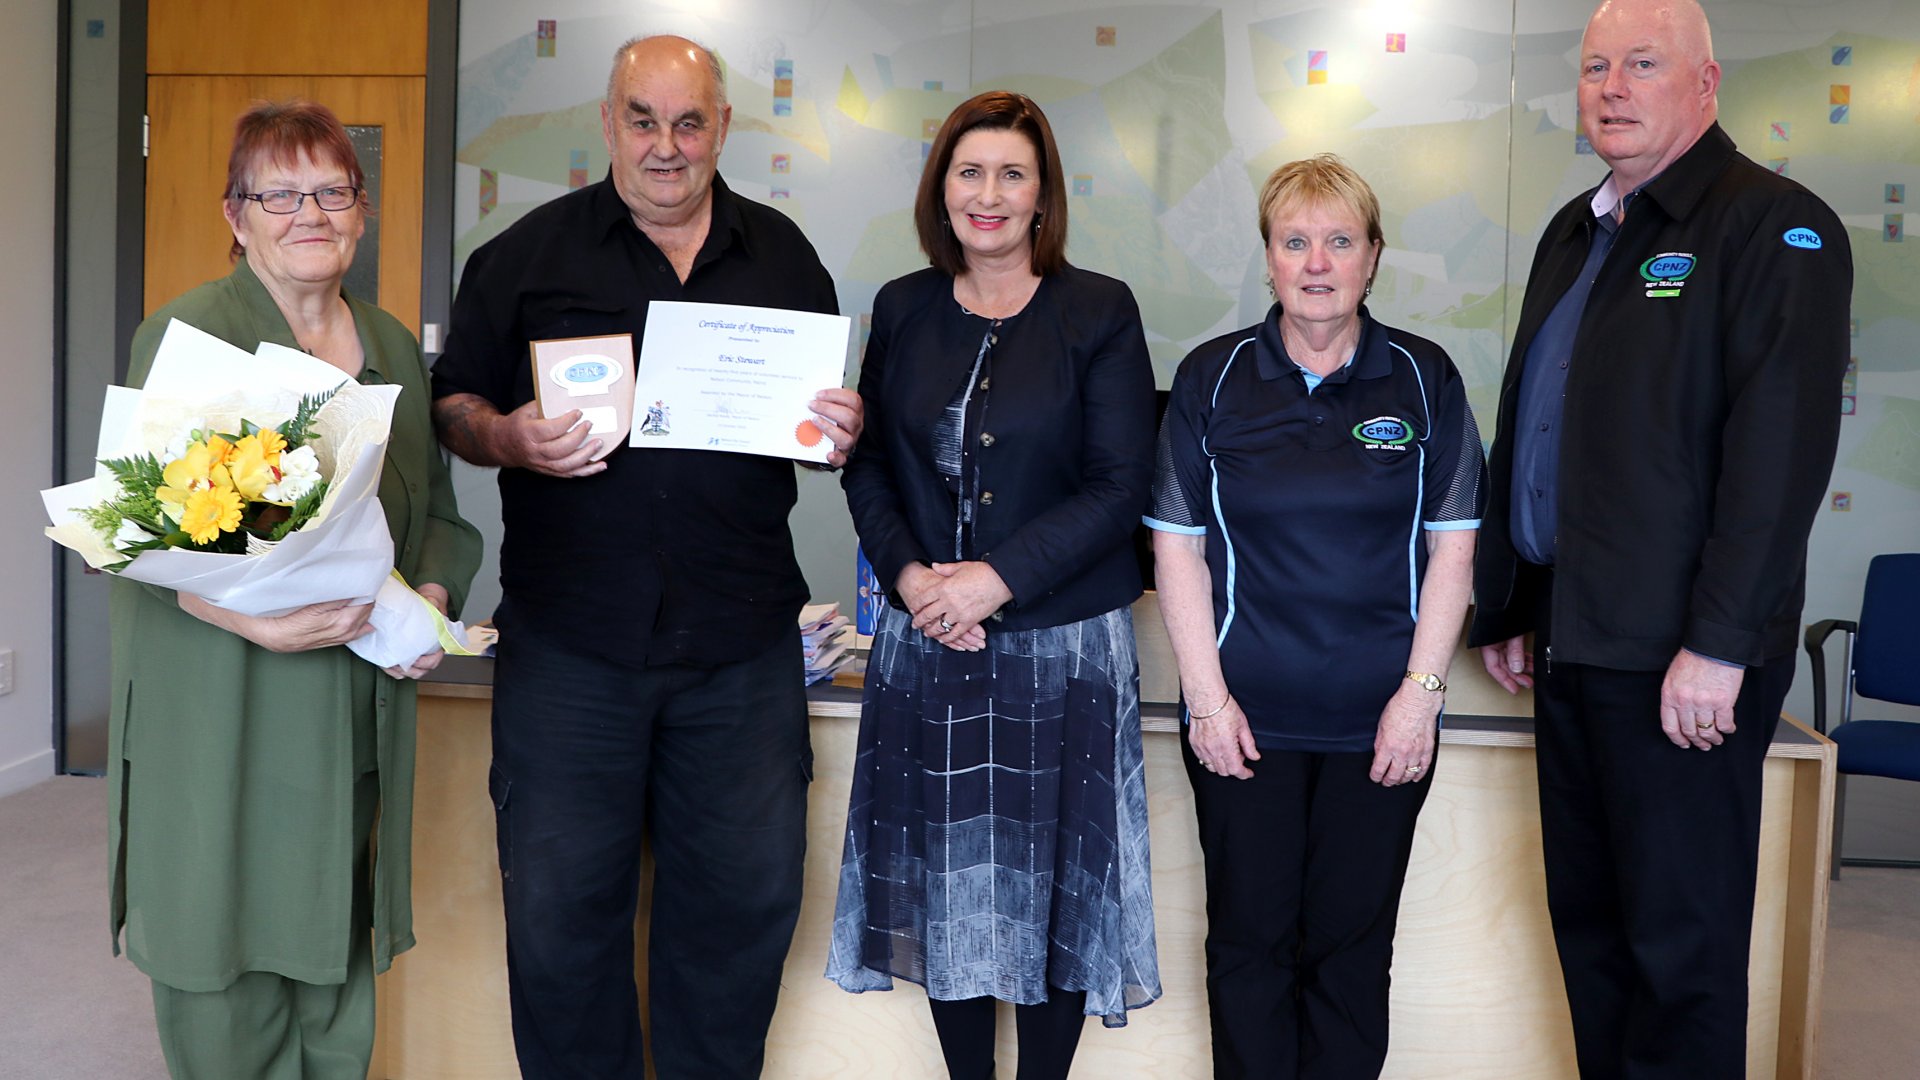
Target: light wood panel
point(1477, 990)
point(191, 133)
point(1805, 946)
point(443, 1004)
point(248, 37)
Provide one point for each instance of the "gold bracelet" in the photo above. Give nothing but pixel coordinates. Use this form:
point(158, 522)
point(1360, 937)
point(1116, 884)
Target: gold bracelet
point(1191, 715)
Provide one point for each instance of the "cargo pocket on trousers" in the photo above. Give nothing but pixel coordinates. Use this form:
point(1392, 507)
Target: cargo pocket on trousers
point(498, 790)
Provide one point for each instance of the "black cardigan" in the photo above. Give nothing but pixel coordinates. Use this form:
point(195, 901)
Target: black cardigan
point(1066, 473)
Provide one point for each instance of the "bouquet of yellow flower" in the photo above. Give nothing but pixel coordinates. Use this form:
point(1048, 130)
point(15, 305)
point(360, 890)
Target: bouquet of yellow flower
point(217, 491)
point(200, 491)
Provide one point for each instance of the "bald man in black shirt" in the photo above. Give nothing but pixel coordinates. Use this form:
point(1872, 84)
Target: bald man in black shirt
point(649, 679)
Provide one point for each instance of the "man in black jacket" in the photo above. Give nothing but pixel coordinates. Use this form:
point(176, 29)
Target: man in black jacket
point(1667, 424)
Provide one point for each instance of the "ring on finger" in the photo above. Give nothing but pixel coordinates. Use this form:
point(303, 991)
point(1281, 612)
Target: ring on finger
point(1413, 770)
point(945, 626)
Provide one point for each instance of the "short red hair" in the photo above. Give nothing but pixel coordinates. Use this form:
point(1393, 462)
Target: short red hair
point(285, 131)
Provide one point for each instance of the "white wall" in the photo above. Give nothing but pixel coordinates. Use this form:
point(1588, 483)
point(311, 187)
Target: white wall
point(28, 73)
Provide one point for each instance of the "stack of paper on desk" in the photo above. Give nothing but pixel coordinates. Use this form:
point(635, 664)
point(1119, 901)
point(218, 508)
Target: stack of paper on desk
point(827, 638)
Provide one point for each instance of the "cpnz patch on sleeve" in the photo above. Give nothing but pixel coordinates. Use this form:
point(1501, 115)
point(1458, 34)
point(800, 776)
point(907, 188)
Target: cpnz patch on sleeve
point(1802, 238)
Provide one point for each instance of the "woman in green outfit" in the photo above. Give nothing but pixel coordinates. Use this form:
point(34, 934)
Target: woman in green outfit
point(250, 758)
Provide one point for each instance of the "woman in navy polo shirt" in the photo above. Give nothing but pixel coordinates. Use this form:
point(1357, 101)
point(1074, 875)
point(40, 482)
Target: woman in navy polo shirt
point(997, 835)
point(1318, 492)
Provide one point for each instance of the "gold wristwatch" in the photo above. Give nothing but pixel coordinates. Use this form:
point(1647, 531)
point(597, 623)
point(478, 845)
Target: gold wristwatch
point(1427, 680)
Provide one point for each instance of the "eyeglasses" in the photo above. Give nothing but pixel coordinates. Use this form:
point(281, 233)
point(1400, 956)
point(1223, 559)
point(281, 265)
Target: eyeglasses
point(331, 199)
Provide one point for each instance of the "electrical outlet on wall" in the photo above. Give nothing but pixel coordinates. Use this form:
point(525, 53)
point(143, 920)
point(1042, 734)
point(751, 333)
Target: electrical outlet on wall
point(6, 671)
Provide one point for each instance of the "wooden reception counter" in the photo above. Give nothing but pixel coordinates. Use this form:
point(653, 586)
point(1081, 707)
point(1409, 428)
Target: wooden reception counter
point(1476, 986)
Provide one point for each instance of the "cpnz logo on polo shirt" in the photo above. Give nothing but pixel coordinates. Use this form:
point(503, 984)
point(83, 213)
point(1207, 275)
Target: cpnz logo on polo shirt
point(1383, 433)
point(1666, 273)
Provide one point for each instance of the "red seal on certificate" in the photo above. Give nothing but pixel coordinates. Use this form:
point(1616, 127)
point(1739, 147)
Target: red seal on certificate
point(807, 433)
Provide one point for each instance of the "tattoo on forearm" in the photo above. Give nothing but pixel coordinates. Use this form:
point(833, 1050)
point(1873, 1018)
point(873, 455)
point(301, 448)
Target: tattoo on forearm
point(458, 421)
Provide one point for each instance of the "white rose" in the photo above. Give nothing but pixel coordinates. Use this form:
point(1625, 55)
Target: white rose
point(299, 471)
point(177, 446)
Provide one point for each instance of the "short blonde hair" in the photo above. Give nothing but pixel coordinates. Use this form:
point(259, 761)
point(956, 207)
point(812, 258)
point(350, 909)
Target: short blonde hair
point(1320, 180)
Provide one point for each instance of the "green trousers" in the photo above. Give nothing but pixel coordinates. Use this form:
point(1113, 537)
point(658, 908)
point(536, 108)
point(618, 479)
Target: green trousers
point(265, 1026)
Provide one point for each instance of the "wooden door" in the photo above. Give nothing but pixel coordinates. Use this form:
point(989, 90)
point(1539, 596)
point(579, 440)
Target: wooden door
point(190, 133)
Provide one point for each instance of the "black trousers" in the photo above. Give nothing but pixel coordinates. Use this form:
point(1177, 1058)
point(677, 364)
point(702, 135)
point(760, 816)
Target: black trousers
point(1651, 857)
point(709, 765)
point(1304, 867)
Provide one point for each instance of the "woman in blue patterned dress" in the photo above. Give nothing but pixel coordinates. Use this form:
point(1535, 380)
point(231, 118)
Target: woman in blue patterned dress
point(997, 839)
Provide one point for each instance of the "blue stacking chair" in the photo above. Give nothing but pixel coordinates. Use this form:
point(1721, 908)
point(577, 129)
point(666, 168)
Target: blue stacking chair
point(1882, 662)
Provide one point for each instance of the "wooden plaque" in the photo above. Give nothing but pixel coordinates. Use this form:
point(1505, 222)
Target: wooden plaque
point(592, 374)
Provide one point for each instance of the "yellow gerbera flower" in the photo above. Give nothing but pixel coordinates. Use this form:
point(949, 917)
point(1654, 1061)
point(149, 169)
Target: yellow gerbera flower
point(272, 444)
point(249, 469)
point(209, 513)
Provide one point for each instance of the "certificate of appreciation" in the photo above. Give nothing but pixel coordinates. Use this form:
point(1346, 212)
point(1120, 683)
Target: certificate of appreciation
point(724, 377)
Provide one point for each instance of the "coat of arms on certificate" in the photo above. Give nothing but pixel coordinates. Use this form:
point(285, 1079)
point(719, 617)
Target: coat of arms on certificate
point(659, 420)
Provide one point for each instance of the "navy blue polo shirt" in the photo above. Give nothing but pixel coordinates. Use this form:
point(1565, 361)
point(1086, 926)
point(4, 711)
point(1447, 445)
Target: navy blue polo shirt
point(1313, 499)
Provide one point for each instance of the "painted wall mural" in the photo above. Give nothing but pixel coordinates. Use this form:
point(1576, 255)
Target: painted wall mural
point(1461, 115)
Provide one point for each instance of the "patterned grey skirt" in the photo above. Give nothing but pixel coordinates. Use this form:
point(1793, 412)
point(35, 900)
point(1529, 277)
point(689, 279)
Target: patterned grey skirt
point(997, 835)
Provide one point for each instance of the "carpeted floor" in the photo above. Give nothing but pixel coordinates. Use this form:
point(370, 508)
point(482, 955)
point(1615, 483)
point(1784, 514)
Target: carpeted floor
point(70, 1011)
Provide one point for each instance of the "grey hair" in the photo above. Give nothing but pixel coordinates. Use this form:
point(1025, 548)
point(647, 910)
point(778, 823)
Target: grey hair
point(714, 67)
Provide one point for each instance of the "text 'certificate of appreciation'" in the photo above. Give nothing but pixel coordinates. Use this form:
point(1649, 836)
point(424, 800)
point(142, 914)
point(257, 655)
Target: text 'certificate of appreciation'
point(724, 377)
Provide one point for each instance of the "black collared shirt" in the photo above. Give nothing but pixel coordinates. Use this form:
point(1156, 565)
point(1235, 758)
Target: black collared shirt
point(669, 556)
